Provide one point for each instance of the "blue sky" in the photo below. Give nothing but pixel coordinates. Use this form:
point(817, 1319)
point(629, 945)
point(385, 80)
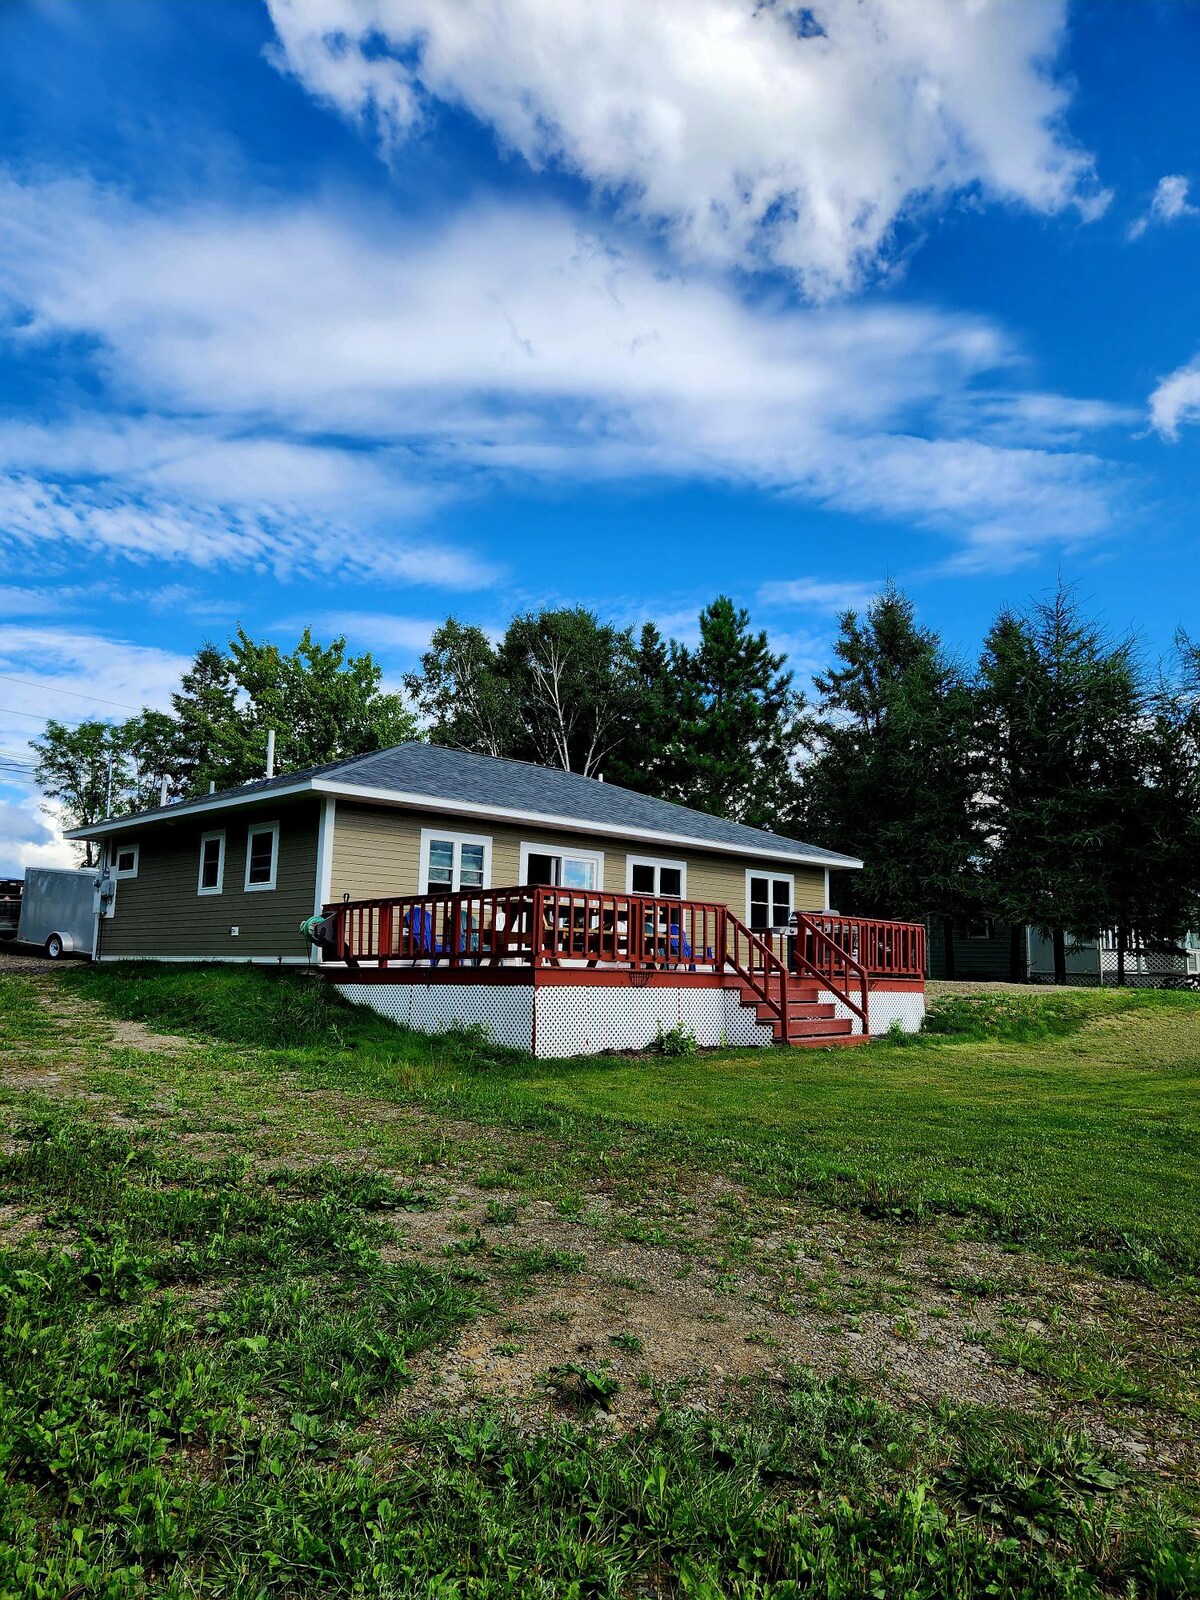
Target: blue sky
point(359, 312)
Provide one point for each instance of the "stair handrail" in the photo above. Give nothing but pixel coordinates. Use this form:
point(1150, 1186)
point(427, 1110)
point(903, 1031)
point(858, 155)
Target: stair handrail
point(772, 966)
point(805, 925)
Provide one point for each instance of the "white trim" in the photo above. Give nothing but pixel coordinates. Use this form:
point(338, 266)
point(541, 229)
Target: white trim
point(262, 827)
point(404, 800)
point(325, 830)
point(99, 904)
point(203, 961)
point(531, 848)
point(455, 838)
point(773, 878)
point(217, 833)
point(828, 906)
point(184, 809)
point(132, 872)
point(656, 862)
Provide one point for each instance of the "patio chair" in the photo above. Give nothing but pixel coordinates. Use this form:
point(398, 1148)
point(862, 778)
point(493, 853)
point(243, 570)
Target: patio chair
point(419, 923)
point(679, 944)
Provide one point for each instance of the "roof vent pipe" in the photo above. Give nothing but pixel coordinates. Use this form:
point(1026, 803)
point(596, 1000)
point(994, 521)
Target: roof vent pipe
point(212, 786)
point(270, 752)
point(162, 792)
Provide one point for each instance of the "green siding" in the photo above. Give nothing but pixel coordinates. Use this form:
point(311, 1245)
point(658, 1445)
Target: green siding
point(159, 913)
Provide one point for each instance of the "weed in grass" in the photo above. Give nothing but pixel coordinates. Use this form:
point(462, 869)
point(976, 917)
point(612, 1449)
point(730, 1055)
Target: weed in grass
point(501, 1213)
point(583, 1388)
point(629, 1342)
point(533, 1260)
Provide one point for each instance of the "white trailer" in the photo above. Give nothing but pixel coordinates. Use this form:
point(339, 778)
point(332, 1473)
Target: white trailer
point(58, 910)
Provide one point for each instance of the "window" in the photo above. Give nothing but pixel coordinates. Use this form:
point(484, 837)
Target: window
point(663, 879)
point(454, 862)
point(262, 855)
point(768, 900)
point(566, 869)
point(979, 928)
point(125, 861)
point(212, 863)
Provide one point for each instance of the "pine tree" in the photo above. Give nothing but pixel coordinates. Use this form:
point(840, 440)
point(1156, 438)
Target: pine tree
point(731, 725)
point(1061, 707)
point(895, 770)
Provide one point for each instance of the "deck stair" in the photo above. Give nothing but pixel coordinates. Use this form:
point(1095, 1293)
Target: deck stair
point(811, 1021)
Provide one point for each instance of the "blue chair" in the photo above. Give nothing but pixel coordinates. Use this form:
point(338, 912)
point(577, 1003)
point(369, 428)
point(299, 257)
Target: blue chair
point(680, 944)
point(419, 922)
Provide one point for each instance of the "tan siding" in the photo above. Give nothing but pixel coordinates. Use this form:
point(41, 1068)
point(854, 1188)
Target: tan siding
point(159, 913)
point(376, 852)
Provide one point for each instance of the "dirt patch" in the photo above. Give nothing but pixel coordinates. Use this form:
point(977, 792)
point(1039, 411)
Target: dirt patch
point(28, 958)
point(595, 1312)
point(136, 1036)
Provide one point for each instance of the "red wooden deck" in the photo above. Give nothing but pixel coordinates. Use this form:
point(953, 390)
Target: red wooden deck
point(542, 934)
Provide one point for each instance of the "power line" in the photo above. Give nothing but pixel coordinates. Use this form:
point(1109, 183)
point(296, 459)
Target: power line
point(36, 716)
point(31, 683)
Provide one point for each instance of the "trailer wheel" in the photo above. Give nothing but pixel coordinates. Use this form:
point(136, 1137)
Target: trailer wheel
point(54, 946)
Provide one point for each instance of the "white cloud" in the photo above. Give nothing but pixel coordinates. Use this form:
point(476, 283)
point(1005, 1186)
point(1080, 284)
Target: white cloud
point(1176, 400)
point(1168, 204)
point(506, 343)
point(819, 594)
point(751, 132)
point(68, 674)
point(376, 630)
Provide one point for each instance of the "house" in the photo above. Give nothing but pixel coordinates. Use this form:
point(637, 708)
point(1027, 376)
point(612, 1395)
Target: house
point(564, 913)
point(985, 949)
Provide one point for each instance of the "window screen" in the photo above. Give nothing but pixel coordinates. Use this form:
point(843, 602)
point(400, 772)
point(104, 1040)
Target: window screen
point(441, 863)
point(670, 882)
point(210, 864)
point(641, 878)
point(770, 901)
point(760, 902)
point(471, 868)
point(781, 901)
point(575, 872)
point(262, 851)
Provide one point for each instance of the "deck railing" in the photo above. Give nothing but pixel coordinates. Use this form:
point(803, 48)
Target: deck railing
point(546, 926)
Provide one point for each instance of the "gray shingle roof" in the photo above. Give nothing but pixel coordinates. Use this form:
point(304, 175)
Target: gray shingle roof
point(492, 783)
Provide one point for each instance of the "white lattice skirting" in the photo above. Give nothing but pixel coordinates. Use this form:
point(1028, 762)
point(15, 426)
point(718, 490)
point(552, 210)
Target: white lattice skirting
point(886, 1006)
point(505, 1010)
point(561, 1020)
point(569, 1021)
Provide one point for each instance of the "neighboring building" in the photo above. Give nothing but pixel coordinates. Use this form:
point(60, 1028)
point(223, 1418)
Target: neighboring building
point(231, 876)
point(984, 950)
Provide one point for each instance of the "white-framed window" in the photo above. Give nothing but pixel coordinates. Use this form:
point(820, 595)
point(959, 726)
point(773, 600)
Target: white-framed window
point(262, 855)
point(211, 877)
point(653, 876)
point(125, 860)
point(454, 863)
point(769, 898)
point(565, 868)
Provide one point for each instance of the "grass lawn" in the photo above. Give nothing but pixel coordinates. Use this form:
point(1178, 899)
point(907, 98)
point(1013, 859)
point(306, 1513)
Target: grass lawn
point(1089, 1137)
point(295, 1304)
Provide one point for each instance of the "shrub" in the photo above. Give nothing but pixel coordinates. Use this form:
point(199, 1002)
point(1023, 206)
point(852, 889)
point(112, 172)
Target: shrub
point(677, 1041)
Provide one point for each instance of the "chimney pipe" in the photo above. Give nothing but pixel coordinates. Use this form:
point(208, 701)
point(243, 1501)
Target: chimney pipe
point(270, 752)
point(162, 793)
point(212, 786)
